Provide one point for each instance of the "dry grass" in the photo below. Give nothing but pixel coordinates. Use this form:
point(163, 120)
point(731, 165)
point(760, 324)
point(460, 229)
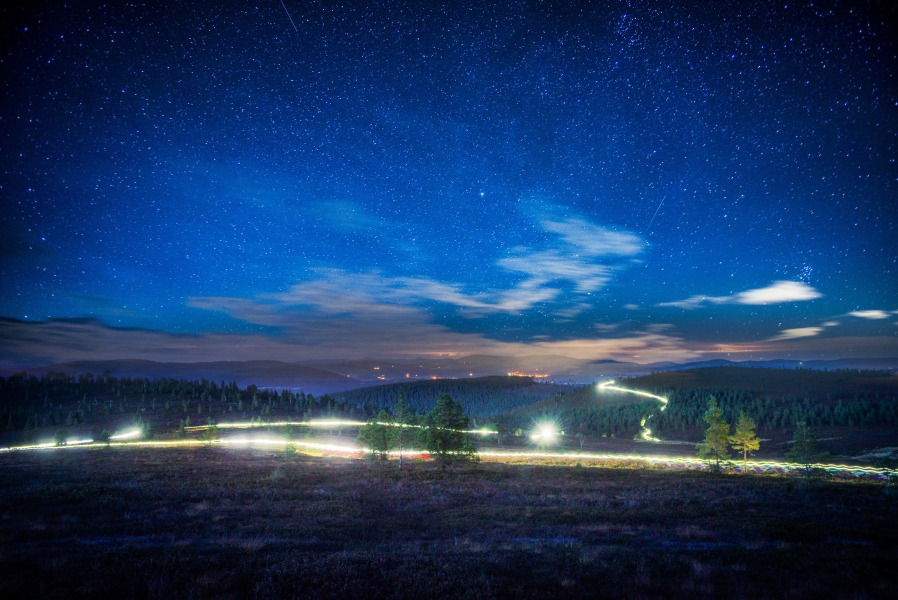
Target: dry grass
point(218, 523)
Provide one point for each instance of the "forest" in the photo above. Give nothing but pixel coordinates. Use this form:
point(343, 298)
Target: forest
point(28, 402)
point(480, 396)
point(845, 398)
point(31, 406)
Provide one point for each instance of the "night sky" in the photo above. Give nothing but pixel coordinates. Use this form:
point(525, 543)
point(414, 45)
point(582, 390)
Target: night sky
point(636, 181)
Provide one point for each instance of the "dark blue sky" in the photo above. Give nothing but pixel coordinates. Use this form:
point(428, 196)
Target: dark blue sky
point(639, 181)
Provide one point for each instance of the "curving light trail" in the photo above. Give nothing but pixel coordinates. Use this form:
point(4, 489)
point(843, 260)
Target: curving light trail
point(646, 433)
point(272, 442)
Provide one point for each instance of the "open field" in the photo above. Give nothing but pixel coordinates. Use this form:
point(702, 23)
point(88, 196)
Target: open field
point(211, 522)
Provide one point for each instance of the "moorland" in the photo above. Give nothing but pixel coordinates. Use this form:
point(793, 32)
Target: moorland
point(217, 523)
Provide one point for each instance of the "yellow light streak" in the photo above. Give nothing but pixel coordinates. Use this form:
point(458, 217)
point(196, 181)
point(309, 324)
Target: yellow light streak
point(645, 433)
point(326, 424)
point(275, 442)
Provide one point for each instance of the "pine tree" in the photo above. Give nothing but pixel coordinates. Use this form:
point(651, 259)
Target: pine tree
point(745, 439)
point(404, 417)
point(210, 434)
point(443, 433)
point(804, 449)
point(715, 447)
point(378, 436)
point(60, 437)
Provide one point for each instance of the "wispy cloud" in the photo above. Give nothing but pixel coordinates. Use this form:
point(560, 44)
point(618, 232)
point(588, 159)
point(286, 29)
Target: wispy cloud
point(794, 334)
point(345, 215)
point(776, 293)
point(584, 254)
point(595, 240)
point(873, 314)
point(553, 266)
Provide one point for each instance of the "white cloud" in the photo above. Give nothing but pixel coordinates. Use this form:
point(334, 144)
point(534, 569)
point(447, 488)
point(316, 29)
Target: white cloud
point(776, 293)
point(548, 266)
point(780, 291)
point(798, 332)
point(872, 314)
point(595, 240)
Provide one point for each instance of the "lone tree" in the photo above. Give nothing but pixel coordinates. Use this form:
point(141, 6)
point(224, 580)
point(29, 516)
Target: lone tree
point(716, 445)
point(804, 449)
point(210, 433)
point(59, 438)
point(378, 436)
point(404, 419)
point(104, 437)
point(443, 433)
point(745, 440)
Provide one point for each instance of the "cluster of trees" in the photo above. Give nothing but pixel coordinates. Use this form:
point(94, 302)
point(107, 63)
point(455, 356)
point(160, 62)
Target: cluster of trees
point(685, 409)
point(589, 413)
point(480, 397)
point(441, 432)
point(719, 440)
point(28, 402)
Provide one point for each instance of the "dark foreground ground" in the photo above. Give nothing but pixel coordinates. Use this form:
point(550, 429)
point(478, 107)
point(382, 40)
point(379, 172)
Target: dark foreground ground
point(220, 523)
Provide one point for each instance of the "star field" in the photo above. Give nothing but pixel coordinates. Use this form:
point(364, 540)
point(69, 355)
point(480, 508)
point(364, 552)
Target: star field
point(672, 179)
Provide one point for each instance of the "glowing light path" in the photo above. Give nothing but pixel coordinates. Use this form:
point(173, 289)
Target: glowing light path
point(324, 424)
point(646, 433)
point(270, 442)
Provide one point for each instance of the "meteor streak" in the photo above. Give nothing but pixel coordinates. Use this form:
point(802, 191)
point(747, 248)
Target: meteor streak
point(289, 17)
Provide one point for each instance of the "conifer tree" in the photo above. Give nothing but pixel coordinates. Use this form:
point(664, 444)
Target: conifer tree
point(744, 439)
point(443, 433)
point(804, 449)
point(378, 436)
point(404, 417)
point(715, 447)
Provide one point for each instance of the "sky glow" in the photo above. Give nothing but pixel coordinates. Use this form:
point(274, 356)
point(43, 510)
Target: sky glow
point(296, 181)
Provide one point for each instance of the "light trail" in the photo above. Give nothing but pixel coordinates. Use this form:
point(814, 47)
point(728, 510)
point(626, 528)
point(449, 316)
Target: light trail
point(269, 442)
point(645, 433)
point(127, 435)
point(326, 424)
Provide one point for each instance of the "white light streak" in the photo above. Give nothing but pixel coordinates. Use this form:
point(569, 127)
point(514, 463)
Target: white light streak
point(325, 424)
point(127, 435)
point(645, 433)
point(498, 455)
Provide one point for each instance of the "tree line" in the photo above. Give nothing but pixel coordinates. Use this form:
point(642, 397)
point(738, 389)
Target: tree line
point(28, 402)
point(719, 440)
point(441, 432)
point(686, 408)
point(480, 397)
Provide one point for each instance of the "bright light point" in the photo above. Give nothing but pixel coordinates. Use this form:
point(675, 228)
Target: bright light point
point(545, 433)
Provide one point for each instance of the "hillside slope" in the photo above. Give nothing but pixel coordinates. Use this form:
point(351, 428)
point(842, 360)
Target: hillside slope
point(262, 373)
point(480, 396)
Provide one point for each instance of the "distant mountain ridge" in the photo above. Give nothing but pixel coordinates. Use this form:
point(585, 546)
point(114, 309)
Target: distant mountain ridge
point(317, 377)
point(262, 373)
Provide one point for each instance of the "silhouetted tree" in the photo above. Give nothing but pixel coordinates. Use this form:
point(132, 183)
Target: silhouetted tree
point(715, 447)
point(744, 439)
point(443, 433)
point(804, 449)
point(378, 435)
point(60, 437)
point(404, 417)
